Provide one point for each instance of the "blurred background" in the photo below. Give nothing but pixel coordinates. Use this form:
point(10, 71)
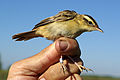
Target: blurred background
point(100, 51)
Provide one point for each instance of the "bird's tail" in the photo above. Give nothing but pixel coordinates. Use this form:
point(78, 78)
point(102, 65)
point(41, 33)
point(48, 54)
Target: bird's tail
point(25, 36)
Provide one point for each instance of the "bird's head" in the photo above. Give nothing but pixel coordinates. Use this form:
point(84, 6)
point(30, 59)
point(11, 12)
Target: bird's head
point(89, 24)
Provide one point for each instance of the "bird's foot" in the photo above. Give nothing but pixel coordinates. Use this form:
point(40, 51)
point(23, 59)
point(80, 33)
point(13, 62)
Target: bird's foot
point(81, 68)
point(63, 67)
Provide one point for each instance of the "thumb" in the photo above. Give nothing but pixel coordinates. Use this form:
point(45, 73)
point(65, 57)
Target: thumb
point(67, 46)
point(38, 63)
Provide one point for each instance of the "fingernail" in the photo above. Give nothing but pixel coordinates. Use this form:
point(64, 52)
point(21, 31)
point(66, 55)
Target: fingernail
point(63, 45)
point(42, 79)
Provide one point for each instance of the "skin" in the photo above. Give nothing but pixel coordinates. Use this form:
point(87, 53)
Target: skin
point(45, 65)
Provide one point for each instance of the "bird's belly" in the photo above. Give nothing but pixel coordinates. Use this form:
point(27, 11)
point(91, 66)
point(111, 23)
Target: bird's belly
point(56, 30)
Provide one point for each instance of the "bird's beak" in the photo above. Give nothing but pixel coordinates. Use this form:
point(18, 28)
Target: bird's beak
point(98, 29)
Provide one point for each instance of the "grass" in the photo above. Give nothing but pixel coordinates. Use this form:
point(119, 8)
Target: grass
point(99, 78)
point(4, 73)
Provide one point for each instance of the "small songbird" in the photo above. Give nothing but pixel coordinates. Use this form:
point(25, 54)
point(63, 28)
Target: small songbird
point(64, 24)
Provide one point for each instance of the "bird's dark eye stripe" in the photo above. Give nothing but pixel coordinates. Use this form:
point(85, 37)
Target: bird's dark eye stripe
point(90, 22)
point(92, 19)
point(85, 19)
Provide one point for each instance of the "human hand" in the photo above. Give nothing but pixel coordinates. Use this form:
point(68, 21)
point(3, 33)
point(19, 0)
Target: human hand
point(45, 65)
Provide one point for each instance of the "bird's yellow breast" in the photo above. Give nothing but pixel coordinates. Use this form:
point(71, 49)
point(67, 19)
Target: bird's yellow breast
point(57, 29)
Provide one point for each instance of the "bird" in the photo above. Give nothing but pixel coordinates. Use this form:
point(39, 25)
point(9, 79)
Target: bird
point(67, 23)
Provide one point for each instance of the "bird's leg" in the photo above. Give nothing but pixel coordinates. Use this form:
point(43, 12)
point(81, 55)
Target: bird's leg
point(81, 68)
point(63, 67)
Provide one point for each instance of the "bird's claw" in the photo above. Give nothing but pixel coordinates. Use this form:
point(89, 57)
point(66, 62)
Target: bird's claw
point(81, 68)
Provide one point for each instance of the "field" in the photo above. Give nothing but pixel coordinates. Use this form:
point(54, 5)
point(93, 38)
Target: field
point(3, 76)
point(99, 78)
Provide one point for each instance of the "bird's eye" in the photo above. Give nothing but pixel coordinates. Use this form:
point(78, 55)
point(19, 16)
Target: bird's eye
point(90, 22)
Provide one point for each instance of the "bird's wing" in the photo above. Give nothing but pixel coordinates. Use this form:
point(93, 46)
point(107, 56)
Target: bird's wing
point(61, 16)
point(44, 22)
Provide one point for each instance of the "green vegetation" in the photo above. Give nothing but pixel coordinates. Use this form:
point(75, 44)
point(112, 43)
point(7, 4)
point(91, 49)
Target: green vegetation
point(0, 63)
point(3, 76)
point(99, 78)
point(3, 73)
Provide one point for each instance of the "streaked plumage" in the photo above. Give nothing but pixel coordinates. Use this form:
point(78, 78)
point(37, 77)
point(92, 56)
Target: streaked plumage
point(65, 24)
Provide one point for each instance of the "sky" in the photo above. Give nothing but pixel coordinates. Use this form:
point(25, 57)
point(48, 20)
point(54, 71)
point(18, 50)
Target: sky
point(100, 51)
